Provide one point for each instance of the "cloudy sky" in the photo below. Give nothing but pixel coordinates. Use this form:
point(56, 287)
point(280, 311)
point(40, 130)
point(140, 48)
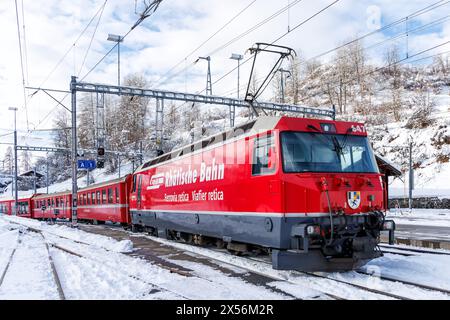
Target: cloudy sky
point(51, 28)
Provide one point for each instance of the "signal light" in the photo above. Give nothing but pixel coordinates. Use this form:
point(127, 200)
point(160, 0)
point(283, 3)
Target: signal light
point(101, 151)
point(100, 164)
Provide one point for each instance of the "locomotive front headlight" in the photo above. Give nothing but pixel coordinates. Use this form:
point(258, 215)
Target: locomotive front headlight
point(313, 230)
point(389, 225)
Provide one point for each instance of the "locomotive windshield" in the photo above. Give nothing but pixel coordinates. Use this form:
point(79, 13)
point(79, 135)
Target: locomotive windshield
point(318, 152)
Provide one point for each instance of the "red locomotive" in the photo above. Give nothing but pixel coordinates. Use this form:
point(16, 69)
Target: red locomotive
point(307, 191)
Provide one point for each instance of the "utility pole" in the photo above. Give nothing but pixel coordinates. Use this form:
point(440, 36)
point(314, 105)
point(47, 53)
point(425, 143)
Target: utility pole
point(16, 190)
point(238, 57)
point(74, 152)
point(118, 163)
point(411, 175)
point(208, 75)
point(34, 184)
point(46, 174)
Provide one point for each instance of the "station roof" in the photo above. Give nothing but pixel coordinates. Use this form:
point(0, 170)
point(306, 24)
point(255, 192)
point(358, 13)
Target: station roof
point(388, 168)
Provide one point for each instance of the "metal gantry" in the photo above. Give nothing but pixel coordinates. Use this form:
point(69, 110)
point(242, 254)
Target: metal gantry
point(198, 98)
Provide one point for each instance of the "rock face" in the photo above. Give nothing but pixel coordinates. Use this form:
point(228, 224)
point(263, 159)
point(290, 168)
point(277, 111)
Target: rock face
point(421, 203)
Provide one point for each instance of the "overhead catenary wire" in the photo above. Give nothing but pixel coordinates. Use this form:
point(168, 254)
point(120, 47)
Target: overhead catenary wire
point(148, 12)
point(25, 50)
point(281, 37)
point(92, 38)
point(274, 41)
point(393, 38)
point(72, 46)
point(384, 67)
point(145, 14)
point(205, 41)
point(21, 64)
point(240, 36)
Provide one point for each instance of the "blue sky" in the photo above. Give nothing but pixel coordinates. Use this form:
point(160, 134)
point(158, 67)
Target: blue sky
point(175, 30)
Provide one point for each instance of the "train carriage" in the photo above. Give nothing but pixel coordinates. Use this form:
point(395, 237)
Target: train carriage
point(306, 190)
point(106, 201)
point(6, 207)
point(24, 206)
point(52, 206)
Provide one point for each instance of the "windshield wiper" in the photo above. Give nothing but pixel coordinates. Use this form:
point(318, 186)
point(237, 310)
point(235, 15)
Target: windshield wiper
point(337, 147)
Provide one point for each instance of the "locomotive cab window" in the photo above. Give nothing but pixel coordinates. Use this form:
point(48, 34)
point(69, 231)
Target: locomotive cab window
point(317, 152)
point(264, 155)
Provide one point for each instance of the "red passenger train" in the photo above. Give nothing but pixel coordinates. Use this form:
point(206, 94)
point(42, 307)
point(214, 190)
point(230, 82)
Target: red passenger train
point(307, 191)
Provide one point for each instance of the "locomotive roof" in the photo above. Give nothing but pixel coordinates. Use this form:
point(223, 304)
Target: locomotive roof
point(50, 195)
point(104, 184)
point(260, 124)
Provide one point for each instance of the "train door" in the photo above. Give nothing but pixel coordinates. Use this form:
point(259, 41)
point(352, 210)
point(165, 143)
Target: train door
point(139, 192)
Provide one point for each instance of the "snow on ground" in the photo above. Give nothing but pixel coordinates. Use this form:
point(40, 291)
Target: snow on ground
point(421, 217)
point(75, 234)
point(29, 275)
point(427, 269)
point(295, 283)
point(102, 274)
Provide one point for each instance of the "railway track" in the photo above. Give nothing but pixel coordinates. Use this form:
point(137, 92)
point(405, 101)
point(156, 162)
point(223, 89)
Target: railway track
point(59, 287)
point(404, 252)
point(354, 285)
point(324, 276)
point(50, 259)
point(10, 258)
point(345, 282)
point(406, 282)
point(410, 251)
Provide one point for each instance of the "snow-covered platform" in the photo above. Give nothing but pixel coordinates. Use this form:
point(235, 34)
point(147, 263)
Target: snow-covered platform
point(422, 227)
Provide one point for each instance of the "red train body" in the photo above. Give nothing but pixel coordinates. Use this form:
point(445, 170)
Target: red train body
point(308, 191)
point(52, 206)
point(106, 201)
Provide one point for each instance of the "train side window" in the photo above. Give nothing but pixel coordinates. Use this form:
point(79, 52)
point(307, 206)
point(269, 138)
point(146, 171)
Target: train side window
point(98, 197)
point(139, 189)
point(110, 195)
point(103, 196)
point(117, 195)
point(57, 202)
point(134, 183)
point(88, 198)
point(93, 198)
point(85, 199)
point(263, 155)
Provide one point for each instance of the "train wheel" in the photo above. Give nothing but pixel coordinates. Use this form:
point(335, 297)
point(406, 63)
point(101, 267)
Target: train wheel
point(134, 228)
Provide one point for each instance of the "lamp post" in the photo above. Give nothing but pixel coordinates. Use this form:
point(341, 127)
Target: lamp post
point(208, 75)
point(16, 192)
point(282, 80)
point(238, 58)
point(118, 39)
